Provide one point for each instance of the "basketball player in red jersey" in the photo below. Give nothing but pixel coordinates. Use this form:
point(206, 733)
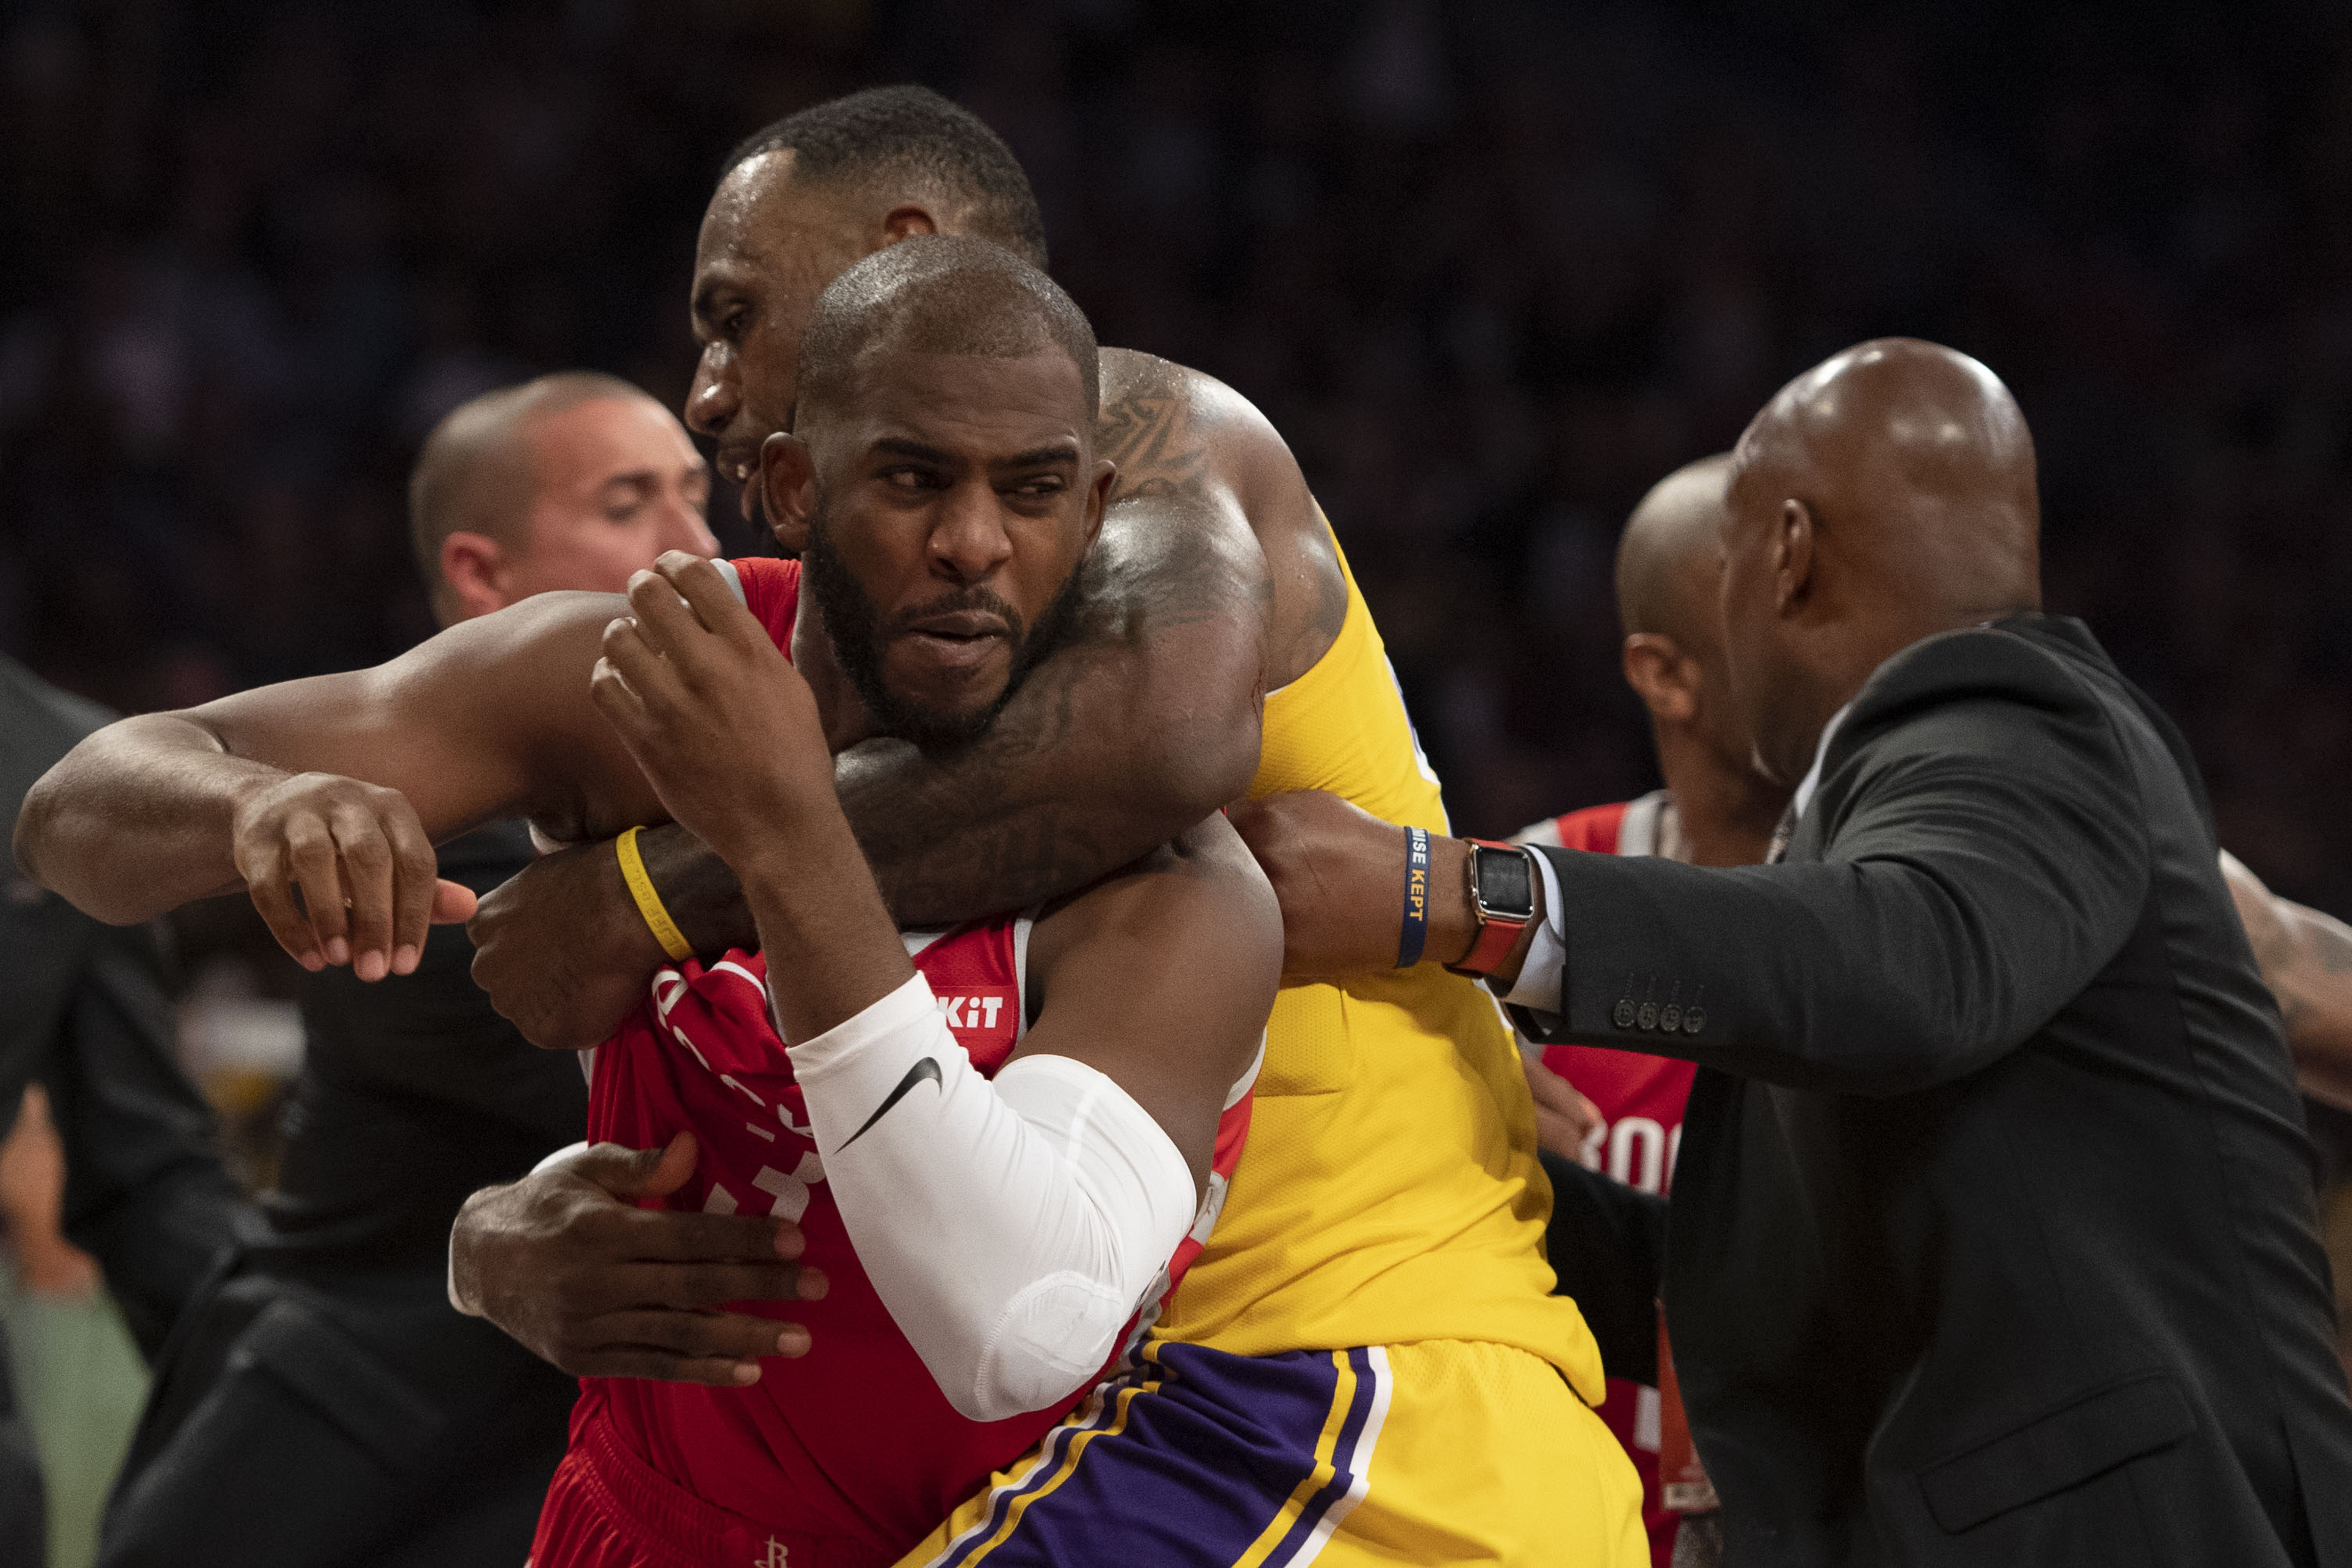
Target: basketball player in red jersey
point(1714, 810)
point(994, 1176)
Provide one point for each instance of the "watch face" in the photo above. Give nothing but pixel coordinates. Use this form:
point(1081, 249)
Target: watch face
point(1506, 883)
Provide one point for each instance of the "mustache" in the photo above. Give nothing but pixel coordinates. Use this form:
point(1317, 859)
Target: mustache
point(956, 600)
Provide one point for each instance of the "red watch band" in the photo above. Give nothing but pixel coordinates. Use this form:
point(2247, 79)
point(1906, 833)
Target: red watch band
point(1497, 934)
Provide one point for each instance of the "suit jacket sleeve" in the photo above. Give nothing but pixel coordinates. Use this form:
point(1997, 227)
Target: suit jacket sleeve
point(1973, 859)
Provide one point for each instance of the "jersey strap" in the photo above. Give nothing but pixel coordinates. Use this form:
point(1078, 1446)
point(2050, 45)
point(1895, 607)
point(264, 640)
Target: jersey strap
point(772, 590)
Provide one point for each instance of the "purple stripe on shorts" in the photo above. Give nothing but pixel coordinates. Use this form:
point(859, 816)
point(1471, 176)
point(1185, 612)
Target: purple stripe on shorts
point(1201, 1466)
point(1343, 1459)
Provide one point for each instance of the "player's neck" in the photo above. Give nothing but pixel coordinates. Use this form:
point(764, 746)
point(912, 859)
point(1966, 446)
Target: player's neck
point(1726, 814)
point(838, 705)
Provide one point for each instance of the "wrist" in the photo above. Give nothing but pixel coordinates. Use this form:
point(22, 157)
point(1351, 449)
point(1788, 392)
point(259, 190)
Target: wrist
point(243, 785)
point(1505, 977)
point(701, 889)
point(1452, 917)
point(821, 918)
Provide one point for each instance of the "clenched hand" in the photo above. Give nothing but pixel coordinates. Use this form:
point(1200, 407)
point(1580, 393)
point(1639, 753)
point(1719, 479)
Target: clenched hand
point(343, 873)
point(725, 729)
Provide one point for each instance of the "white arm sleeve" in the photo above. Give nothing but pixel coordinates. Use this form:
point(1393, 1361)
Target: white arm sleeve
point(1012, 1226)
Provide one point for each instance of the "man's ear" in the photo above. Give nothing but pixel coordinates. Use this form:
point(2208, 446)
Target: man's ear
point(476, 567)
point(1666, 681)
point(907, 221)
point(1793, 554)
point(787, 489)
point(1098, 497)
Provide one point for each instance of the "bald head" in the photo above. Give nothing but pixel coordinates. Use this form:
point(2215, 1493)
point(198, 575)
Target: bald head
point(1882, 496)
point(1666, 557)
point(560, 482)
point(1918, 469)
point(940, 294)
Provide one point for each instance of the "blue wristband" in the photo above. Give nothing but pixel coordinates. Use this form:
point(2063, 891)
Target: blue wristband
point(1416, 898)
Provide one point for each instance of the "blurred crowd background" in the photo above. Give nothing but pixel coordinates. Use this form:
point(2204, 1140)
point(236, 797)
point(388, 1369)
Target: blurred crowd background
point(1492, 266)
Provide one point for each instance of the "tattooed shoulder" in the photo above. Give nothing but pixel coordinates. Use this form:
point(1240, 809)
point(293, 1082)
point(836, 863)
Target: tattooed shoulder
point(1151, 428)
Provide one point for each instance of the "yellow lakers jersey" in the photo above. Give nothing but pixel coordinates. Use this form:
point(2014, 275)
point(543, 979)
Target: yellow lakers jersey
point(1389, 1192)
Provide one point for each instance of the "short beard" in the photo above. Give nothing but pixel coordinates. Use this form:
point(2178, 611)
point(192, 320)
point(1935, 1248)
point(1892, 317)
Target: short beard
point(854, 626)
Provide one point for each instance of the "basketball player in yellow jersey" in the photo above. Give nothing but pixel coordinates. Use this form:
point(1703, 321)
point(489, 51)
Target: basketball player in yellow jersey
point(1365, 1362)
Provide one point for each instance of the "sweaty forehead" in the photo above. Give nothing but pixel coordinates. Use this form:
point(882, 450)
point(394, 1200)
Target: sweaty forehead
point(981, 405)
point(756, 212)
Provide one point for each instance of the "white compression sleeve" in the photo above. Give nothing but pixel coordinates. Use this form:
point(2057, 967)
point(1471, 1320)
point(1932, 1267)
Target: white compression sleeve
point(1012, 1226)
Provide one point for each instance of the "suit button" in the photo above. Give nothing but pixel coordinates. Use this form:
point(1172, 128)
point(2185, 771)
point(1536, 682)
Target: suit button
point(1670, 1019)
point(1693, 1020)
point(1648, 1019)
point(1623, 1017)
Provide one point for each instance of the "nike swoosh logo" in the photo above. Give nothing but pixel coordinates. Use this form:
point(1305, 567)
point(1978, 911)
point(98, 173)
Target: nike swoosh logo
point(924, 1069)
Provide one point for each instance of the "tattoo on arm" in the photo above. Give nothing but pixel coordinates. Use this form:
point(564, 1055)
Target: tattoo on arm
point(1151, 438)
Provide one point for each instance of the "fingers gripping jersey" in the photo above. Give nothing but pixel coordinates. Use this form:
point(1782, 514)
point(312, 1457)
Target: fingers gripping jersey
point(853, 1440)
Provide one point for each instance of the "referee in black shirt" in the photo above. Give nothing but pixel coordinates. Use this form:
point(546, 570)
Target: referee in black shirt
point(323, 1404)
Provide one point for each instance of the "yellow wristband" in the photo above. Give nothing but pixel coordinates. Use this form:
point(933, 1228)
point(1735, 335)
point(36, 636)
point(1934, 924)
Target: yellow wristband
point(649, 904)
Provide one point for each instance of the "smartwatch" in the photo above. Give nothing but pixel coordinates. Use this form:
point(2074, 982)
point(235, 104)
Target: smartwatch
point(1503, 892)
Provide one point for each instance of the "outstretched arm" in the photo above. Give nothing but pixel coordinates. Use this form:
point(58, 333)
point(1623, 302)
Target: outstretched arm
point(2306, 961)
point(339, 786)
point(1993, 862)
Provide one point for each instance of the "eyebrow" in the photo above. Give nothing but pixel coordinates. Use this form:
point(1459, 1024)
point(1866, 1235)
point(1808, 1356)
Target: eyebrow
point(705, 299)
point(644, 478)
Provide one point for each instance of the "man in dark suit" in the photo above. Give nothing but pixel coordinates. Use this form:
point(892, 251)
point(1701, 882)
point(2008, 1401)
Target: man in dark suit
point(84, 1011)
point(1992, 1239)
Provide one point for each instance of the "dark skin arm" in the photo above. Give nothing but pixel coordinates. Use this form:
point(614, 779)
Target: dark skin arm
point(1214, 581)
point(1336, 869)
point(341, 784)
point(2306, 961)
point(1338, 874)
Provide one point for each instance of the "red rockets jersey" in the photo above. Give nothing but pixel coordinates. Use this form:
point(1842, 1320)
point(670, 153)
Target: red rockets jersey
point(1641, 1100)
point(854, 1439)
point(1640, 1097)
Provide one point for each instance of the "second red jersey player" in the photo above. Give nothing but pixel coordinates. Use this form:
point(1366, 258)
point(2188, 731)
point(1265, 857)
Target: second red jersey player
point(1641, 1100)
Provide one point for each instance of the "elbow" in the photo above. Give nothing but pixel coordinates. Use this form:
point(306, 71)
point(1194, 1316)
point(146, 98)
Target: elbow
point(42, 823)
point(1898, 1052)
point(1049, 1341)
point(1205, 765)
point(51, 841)
point(33, 829)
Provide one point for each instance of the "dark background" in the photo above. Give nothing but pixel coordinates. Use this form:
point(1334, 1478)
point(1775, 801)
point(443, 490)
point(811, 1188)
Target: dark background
point(1492, 267)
